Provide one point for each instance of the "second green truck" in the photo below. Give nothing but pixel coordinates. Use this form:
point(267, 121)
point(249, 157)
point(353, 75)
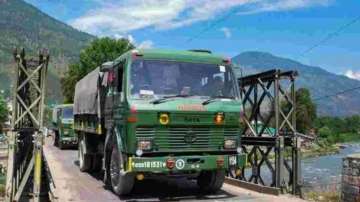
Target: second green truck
point(62, 125)
point(156, 113)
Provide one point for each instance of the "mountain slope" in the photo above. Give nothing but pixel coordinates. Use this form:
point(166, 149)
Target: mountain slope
point(23, 25)
point(319, 81)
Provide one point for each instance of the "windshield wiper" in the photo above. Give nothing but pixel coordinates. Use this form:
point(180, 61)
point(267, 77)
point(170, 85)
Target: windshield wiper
point(166, 98)
point(213, 99)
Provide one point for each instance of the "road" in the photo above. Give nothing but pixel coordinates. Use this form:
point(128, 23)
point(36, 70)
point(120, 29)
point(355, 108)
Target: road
point(73, 185)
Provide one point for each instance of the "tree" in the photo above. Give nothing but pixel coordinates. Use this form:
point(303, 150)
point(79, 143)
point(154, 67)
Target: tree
point(305, 110)
point(99, 51)
point(324, 132)
point(4, 112)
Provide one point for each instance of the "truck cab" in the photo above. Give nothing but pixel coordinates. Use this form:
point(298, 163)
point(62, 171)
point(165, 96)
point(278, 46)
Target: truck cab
point(63, 121)
point(161, 112)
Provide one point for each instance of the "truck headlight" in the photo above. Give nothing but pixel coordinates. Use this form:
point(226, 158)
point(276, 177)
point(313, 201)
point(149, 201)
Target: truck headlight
point(219, 118)
point(164, 118)
point(230, 144)
point(144, 145)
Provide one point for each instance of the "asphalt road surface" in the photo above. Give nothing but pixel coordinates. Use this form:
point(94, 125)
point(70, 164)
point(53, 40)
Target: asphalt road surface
point(73, 185)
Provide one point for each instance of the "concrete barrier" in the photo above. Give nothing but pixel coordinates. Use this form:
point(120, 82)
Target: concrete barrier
point(350, 183)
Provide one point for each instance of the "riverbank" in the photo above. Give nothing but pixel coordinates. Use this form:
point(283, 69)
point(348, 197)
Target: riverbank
point(323, 148)
point(322, 173)
point(322, 196)
point(316, 150)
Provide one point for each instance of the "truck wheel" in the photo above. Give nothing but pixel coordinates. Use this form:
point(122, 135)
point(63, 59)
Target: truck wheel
point(96, 163)
point(56, 139)
point(84, 159)
point(121, 182)
point(61, 145)
point(211, 181)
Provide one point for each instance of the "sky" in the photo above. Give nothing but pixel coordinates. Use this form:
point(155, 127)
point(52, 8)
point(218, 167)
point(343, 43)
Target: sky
point(321, 33)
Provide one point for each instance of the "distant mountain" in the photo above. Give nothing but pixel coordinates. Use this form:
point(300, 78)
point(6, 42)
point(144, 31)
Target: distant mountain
point(319, 81)
point(23, 25)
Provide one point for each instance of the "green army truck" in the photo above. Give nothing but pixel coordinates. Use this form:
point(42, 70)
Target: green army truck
point(63, 122)
point(156, 112)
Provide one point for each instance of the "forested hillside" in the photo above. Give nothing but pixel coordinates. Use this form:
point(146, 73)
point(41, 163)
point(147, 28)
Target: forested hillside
point(23, 25)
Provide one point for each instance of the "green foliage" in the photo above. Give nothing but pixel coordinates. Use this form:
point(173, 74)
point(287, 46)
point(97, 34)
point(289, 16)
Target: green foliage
point(99, 51)
point(325, 132)
point(305, 110)
point(3, 110)
point(24, 26)
point(336, 129)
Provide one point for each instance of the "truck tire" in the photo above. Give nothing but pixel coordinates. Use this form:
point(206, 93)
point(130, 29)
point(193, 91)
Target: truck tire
point(56, 138)
point(84, 159)
point(61, 145)
point(96, 163)
point(211, 181)
point(121, 182)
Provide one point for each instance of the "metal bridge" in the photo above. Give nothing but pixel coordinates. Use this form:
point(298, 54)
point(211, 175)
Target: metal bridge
point(25, 170)
point(268, 102)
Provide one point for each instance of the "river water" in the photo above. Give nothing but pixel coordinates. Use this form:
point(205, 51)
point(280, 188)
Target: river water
point(321, 173)
point(324, 172)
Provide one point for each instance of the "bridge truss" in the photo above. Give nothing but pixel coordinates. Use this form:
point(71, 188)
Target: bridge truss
point(25, 160)
point(269, 136)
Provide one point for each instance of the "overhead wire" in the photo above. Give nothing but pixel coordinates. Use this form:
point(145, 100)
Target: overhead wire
point(322, 41)
point(337, 93)
point(326, 39)
point(331, 35)
point(212, 25)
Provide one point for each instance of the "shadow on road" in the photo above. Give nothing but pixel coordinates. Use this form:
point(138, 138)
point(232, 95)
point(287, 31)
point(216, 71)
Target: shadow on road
point(166, 189)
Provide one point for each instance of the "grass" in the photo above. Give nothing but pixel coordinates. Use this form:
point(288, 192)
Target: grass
point(323, 196)
point(320, 149)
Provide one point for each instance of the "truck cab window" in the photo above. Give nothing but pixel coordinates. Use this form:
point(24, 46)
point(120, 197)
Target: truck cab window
point(156, 79)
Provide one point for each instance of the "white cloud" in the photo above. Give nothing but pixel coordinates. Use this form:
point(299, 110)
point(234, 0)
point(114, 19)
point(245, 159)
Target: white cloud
point(353, 74)
point(118, 17)
point(226, 31)
point(146, 44)
point(281, 5)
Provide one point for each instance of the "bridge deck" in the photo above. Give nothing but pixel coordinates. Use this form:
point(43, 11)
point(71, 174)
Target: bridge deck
point(73, 185)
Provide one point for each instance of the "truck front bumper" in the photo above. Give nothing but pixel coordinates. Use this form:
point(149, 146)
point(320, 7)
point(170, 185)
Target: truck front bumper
point(184, 163)
point(69, 140)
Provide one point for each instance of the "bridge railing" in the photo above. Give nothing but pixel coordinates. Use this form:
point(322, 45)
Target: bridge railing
point(269, 136)
point(25, 136)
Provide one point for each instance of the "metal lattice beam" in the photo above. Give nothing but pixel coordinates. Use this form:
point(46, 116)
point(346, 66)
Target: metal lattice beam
point(26, 138)
point(264, 96)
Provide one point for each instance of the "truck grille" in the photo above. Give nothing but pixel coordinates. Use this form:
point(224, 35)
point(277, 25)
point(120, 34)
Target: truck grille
point(183, 138)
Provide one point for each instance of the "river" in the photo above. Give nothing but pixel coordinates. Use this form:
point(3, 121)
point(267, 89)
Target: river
point(324, 172)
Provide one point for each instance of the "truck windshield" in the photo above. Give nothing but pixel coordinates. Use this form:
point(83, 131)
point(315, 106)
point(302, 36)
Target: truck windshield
point(67, 113)
point(157, 79)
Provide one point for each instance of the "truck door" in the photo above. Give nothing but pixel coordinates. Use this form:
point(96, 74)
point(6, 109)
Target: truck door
point(114, 102)
point(119, 104)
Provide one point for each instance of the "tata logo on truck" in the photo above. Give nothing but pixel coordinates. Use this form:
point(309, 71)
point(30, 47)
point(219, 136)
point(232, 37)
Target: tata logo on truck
point(191, 119)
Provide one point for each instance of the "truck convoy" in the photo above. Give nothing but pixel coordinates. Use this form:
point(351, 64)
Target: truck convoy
point(155, 113)
point(62, 122)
